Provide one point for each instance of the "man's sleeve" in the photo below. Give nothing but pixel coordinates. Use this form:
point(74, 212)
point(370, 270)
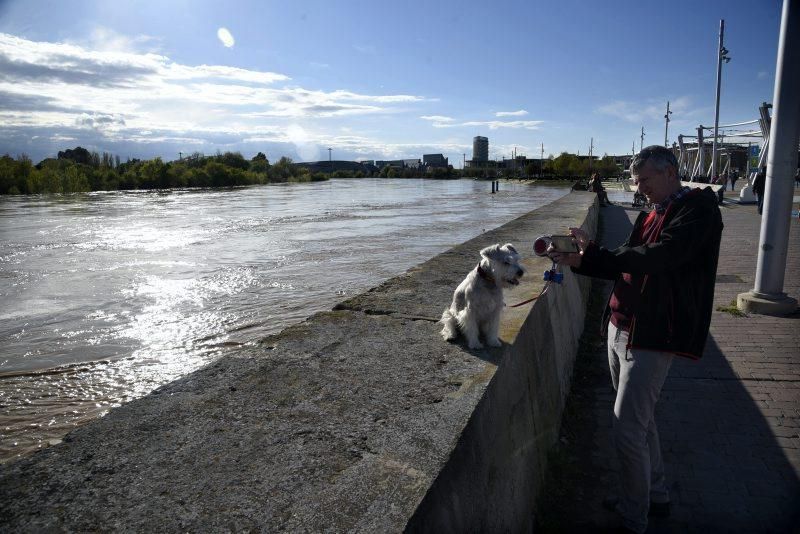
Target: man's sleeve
point(683, 240)
point(590, 266)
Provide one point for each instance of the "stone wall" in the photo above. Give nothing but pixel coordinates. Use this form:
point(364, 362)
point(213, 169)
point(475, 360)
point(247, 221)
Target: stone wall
point(491, 479)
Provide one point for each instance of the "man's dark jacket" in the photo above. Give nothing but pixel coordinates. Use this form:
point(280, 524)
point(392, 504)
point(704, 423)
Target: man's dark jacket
point(674, 311)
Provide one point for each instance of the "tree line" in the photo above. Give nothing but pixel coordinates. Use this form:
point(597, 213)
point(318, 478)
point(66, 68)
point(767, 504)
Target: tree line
point(565, 166)
point(78, 170)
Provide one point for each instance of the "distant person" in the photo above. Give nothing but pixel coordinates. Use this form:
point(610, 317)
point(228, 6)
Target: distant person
point(720, 181)
point(734, 177)
point(596, 185)
point(660, 308)
point(758, 187)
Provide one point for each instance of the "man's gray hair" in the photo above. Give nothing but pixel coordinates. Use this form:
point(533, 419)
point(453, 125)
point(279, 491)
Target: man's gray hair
point(660, 157)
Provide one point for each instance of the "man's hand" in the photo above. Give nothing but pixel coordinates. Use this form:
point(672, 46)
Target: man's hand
point(571, 259)
point(581, 237)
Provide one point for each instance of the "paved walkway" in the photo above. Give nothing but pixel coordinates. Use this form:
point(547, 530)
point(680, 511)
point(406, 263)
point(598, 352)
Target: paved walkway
point(729, 424)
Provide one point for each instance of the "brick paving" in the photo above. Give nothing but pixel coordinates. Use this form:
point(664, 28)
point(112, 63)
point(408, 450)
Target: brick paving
point(729, 424)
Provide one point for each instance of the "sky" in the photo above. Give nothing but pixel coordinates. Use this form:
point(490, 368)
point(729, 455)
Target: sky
point(374, 79)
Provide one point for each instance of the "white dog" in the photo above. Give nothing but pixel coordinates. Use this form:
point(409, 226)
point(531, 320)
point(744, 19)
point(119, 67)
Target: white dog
point(478, 300)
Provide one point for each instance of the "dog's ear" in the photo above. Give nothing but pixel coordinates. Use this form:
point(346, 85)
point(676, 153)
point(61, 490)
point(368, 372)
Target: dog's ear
point(509, 247)
point(492, 252)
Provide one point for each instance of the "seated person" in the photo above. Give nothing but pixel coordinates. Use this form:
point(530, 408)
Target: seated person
point(597, 186)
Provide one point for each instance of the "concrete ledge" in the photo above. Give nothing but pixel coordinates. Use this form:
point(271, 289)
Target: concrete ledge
point(358, 419)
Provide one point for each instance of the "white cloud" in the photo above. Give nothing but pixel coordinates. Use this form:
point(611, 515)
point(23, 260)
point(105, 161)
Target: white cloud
point(442, 121)
point(518, 113)
point(115, 94)
point(225, 37)
point(494, 125)
point(367, 148)
point(651, 110)
point(437, 118)
point(107, 40)
point(762, 75)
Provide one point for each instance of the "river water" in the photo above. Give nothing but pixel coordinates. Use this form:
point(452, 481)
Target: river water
point(106, 296)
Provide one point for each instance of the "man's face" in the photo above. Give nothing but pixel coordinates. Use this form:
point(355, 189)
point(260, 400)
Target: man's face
point(656, 185)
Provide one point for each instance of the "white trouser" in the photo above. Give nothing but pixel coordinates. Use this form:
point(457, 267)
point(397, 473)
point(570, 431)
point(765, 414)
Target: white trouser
point(637, 376)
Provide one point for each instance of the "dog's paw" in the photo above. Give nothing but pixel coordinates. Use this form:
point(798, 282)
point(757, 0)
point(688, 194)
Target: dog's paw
point(476, 345)
point(494, 342)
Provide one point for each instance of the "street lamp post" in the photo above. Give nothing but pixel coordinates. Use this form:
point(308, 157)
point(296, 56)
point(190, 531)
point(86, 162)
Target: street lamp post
point(541, 163)
point(722, 55)
point(666, 125)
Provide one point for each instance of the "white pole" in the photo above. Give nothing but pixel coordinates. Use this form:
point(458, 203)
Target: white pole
point(701, 152)
point(767, 295)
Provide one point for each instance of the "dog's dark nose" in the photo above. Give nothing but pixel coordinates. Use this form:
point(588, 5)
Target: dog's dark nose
point(520, 272)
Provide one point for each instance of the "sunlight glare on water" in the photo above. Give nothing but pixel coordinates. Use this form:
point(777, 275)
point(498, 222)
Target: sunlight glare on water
point(107, 296)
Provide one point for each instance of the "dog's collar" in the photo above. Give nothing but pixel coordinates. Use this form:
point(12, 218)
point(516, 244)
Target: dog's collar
point(485, 275)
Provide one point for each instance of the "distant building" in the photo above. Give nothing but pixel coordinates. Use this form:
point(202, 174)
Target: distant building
point(434, 161)
point(480, 149)
point(326, 166)
point(399, 163)
point(520, 163)
point(623, 162)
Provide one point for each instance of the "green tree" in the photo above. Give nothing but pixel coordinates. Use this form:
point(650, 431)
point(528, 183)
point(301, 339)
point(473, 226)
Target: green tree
point(74, 180)
point(234, 160)
point(14, 174)
point(77, 154)
point(152, 174)
point(282, 170)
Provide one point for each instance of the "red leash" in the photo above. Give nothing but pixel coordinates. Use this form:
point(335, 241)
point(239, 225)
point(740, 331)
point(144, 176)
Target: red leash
point(542, 292)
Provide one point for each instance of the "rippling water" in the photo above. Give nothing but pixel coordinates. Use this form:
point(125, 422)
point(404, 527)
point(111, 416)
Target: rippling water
point(107, 296)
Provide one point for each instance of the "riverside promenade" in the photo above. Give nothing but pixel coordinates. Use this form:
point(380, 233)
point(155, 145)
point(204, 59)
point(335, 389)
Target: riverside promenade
point(729, 423)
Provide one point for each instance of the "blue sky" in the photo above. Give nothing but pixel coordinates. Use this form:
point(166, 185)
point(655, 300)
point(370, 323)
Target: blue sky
point(373, 79)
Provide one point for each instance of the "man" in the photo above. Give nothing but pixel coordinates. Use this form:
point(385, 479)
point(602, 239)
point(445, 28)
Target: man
point(758, 187)
point(660, 307)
